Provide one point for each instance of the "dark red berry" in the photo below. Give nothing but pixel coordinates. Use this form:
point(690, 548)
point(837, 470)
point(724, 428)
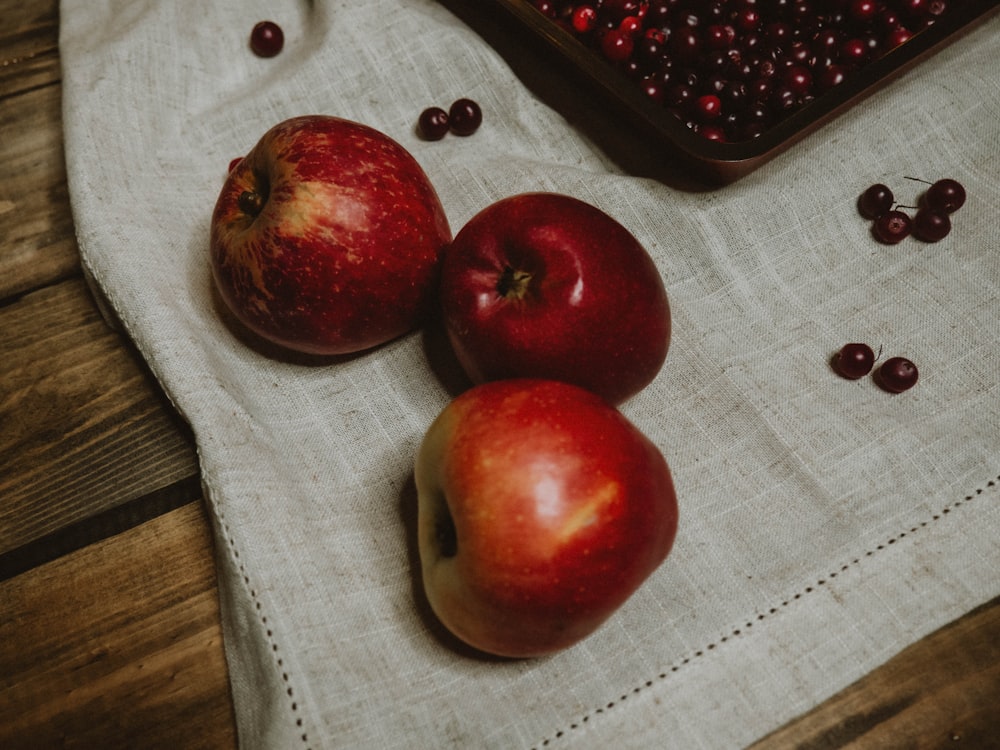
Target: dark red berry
point(617, 45)
point(854, 51)
point(945, 195)
point(897, 374)
point(863, 10)
point(892, 227)
point(546, 8)
point(854, 361)
point(708, 107)
point(267, 39)
point(652, 88)
point(798, 79)
point(897, 37)
point(833, 75)
point(875, 201)
point(584, 19)
point(433, 124)
point(930, 225)
point(712, 133)
point(465, 117)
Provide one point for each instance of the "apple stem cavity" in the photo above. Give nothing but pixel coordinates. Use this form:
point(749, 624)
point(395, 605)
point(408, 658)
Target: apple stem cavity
point(514, 283)
point(251, 202)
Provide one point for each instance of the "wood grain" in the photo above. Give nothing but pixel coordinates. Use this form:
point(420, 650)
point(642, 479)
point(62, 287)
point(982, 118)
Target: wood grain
point(36, 227)
point(85, 426)
point(118, 645)
point(943, 691)
point(29, 41)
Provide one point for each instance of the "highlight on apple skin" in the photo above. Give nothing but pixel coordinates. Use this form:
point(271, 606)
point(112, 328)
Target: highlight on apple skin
point(541, 510)
point(327, 237)
point(544, 285)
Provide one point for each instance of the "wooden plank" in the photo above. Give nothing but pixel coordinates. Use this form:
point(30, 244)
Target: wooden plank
point(118, 645)
point(37, 241)
point(37, 244)
point(942, 690)
point(29, 42)
point(85, 426)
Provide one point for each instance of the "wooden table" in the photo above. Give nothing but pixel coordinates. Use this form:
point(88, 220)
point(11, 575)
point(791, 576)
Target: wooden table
point(109, 620)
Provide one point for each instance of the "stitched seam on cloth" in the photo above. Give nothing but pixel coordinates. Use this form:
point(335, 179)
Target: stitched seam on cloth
point(275, 649)
point(741, 630)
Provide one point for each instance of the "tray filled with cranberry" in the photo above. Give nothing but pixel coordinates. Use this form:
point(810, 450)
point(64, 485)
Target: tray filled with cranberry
point(724, 85)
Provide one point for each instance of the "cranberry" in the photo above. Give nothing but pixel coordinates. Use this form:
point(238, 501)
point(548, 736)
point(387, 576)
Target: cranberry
point(712, 132)
point(892, 227)
point(267, 39)
point(464, 117)
point(679, 95)
point(889, 19)
point(897, 37)
point(686, 45)
point(547, 8)
point(854, 361)
point(584, 19)
point(747, 19)
point(650, 52)
point(875, 201)
point(778, 33)
point(897, 374)
point(733, 96)
point(854, 51)
point(631, 25)
point(433, 125)
point(719, 36)
point(945, 195)
point(863, 10)
point(931, 225)
point(798, 79)
point(708, 107)
point(832, 75)
point(784, 99)
point(652, 88)
point(617, 45)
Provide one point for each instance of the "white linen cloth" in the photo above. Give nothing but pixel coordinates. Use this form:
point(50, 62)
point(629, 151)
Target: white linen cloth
point(825, 524)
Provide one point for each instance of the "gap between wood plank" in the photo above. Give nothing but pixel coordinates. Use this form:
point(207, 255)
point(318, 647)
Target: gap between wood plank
point(101, 526)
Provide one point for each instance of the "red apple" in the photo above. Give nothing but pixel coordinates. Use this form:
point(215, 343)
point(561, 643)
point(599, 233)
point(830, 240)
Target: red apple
point(327, 237)
point(541, 509)
point(543, 285)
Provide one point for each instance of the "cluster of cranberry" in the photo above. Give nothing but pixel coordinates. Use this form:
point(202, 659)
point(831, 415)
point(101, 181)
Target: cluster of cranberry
point(463, 117)
point(731, 69)
point(933, 219)
point(855, 360)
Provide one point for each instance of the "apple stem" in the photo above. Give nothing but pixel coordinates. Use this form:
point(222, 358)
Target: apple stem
point(513, 283)
point(251, 202)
